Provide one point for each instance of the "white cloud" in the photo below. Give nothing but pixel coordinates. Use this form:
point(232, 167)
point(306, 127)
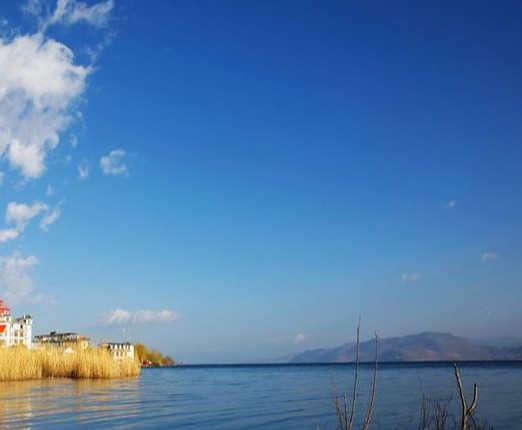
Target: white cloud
point(50, 191)
point(155, 316)
point(20, 214)
point(6, 31)
point(300, 337)
point(39, 88)
point(41, 299)
point(489, 256)
point(83, 170)
point(50, 219)
point(70, 12)
point(95, 51)
point(15, 281)
point(450, 204)
point(410, 277)
point(1, 178)
point(120, 316)
point(4, 24)
point(33, 7)
point(9, 234)
point(114, 164)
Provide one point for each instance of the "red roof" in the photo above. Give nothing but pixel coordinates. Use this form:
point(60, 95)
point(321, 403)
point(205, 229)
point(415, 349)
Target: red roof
point(4, 311)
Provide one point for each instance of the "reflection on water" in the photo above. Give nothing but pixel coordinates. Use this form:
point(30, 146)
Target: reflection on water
point(15, 402)
point(64, 403)
point(251, 397)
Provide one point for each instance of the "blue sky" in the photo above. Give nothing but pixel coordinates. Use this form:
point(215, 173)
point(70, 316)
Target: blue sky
point(239, 180)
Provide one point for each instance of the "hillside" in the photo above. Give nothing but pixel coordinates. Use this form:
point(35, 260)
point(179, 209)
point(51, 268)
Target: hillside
point(427, 346)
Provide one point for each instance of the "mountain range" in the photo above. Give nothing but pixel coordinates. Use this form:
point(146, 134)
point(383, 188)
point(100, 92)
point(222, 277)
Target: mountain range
point(427, 346)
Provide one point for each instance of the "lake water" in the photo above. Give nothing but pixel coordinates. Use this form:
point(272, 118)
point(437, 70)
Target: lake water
point(274, 397)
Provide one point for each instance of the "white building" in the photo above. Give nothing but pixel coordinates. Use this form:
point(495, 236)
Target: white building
point(18, 331)
point(62, 340)
point(119, 351)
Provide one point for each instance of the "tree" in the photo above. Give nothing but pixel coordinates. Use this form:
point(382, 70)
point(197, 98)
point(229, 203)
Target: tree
point(152, 358)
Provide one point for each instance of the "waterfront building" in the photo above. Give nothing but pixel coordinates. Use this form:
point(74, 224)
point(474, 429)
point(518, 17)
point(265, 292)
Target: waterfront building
point(119, 351)
point(17, 331)
point(62, 340)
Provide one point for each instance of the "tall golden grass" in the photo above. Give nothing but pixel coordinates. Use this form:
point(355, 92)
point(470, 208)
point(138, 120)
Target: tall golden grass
point(20, 364)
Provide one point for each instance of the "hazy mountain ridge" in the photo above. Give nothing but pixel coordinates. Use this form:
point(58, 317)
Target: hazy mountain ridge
point(427, 346)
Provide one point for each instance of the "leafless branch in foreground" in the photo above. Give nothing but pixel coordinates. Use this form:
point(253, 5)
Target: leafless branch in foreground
point(346, 414)
point(466, 412)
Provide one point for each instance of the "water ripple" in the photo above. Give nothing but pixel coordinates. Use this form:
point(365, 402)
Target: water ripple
point(257, 397)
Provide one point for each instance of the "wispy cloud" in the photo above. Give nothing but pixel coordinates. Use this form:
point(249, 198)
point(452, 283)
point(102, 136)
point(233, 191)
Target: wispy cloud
point(114, 163)
point(410, 277)
point(40, 299)
point(9, 234)
point(4, 26)
point(14, 276)
point(300, 337)
point(120, 316)
point(83, 170)
point(489, 256)
point(450, 204)
point(50, 218)
point(20, 214)
point(33, 7)
point(70, 12)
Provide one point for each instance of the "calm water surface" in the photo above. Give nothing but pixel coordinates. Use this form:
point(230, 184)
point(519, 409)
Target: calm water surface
point(285, 397)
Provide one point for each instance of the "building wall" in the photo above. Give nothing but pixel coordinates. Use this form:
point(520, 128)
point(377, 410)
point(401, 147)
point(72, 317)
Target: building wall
point(22, 331)
point(5, 330)
point(119, 351)
point(62, 340)
point(5, 323)
point(15, 332)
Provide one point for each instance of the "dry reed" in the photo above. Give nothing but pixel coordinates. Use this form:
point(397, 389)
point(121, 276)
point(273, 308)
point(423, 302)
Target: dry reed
point(20, 363)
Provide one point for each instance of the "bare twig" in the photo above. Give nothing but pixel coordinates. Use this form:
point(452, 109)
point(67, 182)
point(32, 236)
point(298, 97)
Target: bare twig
point(345, 414)
point(369, 409)
point(355, 376)
point(466, 411)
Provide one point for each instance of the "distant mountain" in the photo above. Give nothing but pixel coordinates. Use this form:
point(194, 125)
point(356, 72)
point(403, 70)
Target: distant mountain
point(498, 341)
point(514, 354)
point(427, 346)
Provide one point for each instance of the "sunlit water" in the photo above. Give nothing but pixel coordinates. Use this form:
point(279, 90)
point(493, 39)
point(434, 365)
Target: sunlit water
point(254, 397)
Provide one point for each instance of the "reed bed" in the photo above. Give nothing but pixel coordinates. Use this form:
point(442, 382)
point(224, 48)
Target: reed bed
point(20, 364)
